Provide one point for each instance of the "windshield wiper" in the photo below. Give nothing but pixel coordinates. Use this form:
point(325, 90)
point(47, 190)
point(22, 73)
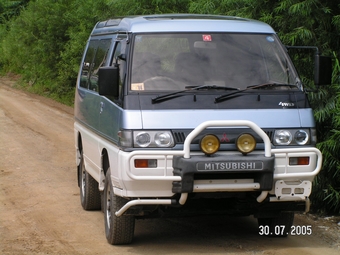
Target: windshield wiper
point(264, 85)
point(187, 88)
point(272, 84)
point(210, 87)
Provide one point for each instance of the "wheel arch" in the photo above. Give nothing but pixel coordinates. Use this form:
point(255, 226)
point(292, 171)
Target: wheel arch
point(79, 149)
point(79, 142)
point(105, 165)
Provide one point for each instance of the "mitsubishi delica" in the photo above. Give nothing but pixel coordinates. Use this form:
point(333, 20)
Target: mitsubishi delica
point(179, 115)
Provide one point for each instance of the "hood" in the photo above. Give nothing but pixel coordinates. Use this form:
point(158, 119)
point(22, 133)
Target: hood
point(189, 119)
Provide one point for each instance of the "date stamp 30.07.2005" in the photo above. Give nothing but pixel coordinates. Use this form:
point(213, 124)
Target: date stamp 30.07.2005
point(281, 230)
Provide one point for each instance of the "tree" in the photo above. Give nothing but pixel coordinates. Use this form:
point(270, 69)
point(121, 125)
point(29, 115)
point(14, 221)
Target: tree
point(11, 8)
point(33, 43)
point(142, 7)
point(326, 195)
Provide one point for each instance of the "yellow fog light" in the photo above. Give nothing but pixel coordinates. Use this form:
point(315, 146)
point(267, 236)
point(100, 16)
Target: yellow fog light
point(210, 144)
point(245, 143)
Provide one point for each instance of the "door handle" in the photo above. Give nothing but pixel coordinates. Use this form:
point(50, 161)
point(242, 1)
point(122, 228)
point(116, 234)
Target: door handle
point(102, 105)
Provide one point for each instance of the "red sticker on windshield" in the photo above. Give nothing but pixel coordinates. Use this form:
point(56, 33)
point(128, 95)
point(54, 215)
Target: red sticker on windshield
point(207, 38)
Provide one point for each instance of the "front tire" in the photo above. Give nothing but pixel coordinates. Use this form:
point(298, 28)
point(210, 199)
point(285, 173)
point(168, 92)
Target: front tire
point(118, 230)
point(89, 192)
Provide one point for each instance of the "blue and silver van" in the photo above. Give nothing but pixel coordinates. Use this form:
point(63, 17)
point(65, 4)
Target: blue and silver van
point(193, 114)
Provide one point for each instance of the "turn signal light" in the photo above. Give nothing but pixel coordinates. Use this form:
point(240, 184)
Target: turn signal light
point(210, 144)
point(299, 161)
point(245, 143)
point(145, 163)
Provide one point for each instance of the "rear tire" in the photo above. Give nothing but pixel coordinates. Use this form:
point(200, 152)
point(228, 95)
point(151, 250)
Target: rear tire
point(279, 226)
point(118, 230)
point(89, 192)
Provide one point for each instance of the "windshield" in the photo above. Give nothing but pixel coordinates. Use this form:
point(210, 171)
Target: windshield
point(172, 62)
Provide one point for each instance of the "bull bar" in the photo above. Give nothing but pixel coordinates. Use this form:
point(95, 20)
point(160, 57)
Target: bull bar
point(268, 151)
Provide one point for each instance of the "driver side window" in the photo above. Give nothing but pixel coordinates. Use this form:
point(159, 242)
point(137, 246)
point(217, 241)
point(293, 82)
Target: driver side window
point(96, 57)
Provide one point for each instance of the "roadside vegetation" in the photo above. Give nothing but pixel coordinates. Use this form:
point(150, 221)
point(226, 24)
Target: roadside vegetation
point(43, 40)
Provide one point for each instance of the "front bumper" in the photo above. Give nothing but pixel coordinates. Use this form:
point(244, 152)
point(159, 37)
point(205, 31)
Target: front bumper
point(183, 173)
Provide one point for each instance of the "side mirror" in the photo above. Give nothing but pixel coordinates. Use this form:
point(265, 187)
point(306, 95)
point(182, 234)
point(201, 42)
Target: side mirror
point(322, 70)
point(108, 81)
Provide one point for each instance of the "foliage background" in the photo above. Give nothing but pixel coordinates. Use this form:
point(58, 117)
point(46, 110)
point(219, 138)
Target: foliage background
point(43, 40)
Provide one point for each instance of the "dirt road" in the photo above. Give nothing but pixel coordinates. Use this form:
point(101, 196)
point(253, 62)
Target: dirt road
point(40, 211)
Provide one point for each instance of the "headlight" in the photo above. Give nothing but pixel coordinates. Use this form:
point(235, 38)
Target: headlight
point(209, 144)
point(163, 139)
point(152, 139)
point(301, 137)
point(283, 137)
point(292, 137)
point(143, 139)
point(245, 143)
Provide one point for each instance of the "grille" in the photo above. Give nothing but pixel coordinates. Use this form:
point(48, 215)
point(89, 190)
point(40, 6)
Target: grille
point(180, 136)
point(269, 134)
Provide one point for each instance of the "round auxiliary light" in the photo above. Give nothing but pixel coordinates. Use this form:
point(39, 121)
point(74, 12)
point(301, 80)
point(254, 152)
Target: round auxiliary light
point(245, 143)
point(210, 144)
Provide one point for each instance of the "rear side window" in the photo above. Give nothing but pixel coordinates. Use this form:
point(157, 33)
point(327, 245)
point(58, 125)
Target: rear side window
point(96, 56)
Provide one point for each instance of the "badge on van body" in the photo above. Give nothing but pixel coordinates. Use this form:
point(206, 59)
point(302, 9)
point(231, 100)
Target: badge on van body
point(287, 104)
